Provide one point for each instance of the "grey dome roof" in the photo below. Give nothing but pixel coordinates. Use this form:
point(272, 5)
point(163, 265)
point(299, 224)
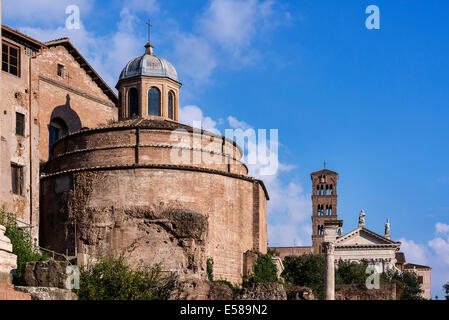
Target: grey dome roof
point(149, 65)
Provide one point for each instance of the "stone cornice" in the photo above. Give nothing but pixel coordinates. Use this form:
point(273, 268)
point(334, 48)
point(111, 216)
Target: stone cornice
point(158, 166)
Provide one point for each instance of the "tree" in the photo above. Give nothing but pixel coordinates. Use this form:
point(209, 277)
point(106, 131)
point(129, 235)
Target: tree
point(264, 269)
point(351, 273)
point(446, 290)
point(408, 284)
point(110, 278)
point(306, 270)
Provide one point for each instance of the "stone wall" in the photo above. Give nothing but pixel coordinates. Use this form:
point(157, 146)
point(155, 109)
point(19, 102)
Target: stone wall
point(40, 94)
point(360, 292)
point(291, 251)
point(117, 188)
point(8, 263)
point(173, 216)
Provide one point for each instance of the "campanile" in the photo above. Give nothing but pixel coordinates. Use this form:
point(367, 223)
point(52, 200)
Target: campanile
point(324, 204)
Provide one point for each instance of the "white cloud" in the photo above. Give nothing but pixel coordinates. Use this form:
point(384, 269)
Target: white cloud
point(435, 254)
point(414, 253)
point(223, 35)
point(442, 228)
point(45, 12)
point(233, 23)
point(441, 247)
point(148, 6)
point(236, 124)
point(193, 115)
point(107, 54)
point(194, 57)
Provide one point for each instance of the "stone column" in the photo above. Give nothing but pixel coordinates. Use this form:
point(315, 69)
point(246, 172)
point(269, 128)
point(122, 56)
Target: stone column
point(8, 261)
point(329, 271)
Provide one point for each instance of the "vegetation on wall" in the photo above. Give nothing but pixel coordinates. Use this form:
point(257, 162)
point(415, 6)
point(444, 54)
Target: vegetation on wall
point(264, 269)
point(111, 278)
point(22, 244)
point(210, 269)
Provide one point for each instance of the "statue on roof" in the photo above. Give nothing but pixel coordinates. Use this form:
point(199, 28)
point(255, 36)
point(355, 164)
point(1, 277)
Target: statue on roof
point(362, 219)
point(387, 229)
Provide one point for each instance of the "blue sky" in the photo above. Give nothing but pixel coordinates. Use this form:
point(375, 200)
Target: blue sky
point(373, 103)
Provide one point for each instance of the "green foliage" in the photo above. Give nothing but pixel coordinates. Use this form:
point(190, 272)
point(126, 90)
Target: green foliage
point(446, 290)
point(264, 269)
point(351, 273)
point(22, 244)
point(210, 276)
point(210, 269)
point(306, 270)
point(407, 282)
point(111, 278)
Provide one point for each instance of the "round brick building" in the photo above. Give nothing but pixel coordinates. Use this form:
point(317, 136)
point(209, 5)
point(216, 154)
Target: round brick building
point(152, 188)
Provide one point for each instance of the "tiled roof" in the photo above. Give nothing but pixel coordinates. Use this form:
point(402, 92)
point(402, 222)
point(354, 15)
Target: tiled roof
point(8, 31)
point(400, 257)
point(324, 171)
point(411, 265)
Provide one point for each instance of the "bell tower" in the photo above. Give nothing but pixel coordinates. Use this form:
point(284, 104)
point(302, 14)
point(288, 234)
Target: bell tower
point(324, 204)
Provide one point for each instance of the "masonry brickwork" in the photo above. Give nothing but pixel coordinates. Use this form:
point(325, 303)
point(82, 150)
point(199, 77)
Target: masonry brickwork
point(77, 98)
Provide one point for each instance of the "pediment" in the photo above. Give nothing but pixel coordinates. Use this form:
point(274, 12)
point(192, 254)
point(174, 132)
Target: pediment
point(363, 237)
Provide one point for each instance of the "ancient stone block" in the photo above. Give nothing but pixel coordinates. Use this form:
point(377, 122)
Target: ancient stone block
point(45, 293)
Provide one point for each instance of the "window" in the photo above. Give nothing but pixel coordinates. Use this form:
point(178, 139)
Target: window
point(17, 179)
point(171, 105)
point(57, 129)
point(133, 102)
point(60, 70)
point(420, 279)
point(154, 102)
point(20, 124)
point(11, 59)
point(321, 210)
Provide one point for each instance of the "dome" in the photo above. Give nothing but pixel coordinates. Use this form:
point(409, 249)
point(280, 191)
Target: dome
point(149, 65)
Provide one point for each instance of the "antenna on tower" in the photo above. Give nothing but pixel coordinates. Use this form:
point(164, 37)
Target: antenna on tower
point(325, 163)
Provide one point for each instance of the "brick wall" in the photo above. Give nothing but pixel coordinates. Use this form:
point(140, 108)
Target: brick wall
point(7, 292)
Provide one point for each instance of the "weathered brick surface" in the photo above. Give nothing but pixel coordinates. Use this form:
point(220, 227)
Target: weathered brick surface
point(41, 95)
point(125, 208)
point(7, 292)
point(360, 292)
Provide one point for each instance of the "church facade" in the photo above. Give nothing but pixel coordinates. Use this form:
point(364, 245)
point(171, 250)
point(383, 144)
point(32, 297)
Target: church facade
point(361, 244)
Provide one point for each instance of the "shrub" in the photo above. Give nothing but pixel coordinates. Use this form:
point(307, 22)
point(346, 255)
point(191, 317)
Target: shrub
point(408, 284)
point(446, 289)
point(306, 271)
point(22, 244)
point(351, 273)
point(111, 278)
point(210, 269)
point(264, 269)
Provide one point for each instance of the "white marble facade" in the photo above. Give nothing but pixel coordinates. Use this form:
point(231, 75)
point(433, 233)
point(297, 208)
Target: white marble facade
point(364, 244)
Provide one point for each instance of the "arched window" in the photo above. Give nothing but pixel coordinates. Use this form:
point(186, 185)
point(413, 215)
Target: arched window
point(154, 102)
point(133, 103)
point(57, 129)
point(171, 105)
